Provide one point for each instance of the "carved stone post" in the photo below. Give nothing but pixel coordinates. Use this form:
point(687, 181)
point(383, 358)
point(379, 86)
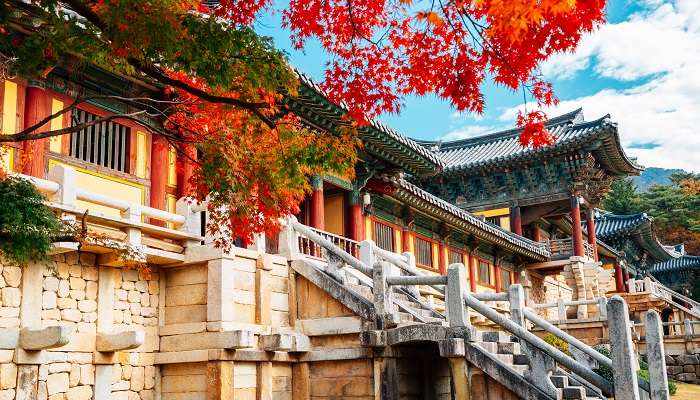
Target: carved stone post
point(289, 241)
point(367, 253)
point(621, 347)
point(658, 380)
point(382, 296)
point(456, 310)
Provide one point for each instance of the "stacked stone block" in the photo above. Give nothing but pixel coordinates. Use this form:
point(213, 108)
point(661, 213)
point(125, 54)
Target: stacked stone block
point(11, 296)
point(683, 367)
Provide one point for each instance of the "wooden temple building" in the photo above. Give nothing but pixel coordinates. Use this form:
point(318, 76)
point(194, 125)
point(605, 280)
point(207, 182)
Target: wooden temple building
point(399, 284)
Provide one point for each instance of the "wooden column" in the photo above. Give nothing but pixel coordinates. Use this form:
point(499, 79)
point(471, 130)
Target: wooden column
point(590, 230)
point(535, 232)
point(356, 227)
point(517, 221)
point(405, 239)
point(186, 170)
point(36, 107)
point(316, 217)
point(442, 258)
point(619, 278)
point(472, 273)
point(159, 171)
point(577, 232)
point(626, 275)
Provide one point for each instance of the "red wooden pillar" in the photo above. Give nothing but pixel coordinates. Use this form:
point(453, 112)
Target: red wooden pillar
point(316, 217)
point(497, 271)
point(619, 279)
point(472, 273)
point(517, 222)
point(405, 240)
point(355, 225)
point(535, 232)
point(186, 163)
point(590, 230)
point(626, 275)
point(442, 259)
point(36, 107)
point(159, 171)
point(577, 234)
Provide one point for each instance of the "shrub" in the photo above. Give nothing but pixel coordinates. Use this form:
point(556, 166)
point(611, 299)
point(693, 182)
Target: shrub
point(557, 342)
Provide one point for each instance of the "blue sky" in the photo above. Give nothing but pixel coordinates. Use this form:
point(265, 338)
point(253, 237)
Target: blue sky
point(643, 68)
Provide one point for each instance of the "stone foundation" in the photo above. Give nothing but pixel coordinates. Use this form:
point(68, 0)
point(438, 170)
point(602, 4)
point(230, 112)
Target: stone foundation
point(683, 368)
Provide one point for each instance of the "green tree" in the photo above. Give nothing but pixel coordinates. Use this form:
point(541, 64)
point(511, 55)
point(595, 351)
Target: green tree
point(623, 198)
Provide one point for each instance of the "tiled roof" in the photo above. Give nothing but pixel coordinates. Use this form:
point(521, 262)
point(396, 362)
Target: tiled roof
point(609, 227)
point(676, 264)
point(570, 130)
point(312, 103)
point(419, 198)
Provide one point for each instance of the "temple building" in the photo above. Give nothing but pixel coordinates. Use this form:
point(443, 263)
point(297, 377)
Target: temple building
point(400, 283)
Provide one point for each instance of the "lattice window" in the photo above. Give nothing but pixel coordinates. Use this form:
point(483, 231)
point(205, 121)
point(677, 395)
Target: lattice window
point(384, 236)
point(454, 257)
point(424, 253)
point(505, 279)
point(484, 273)
point(494, 220)
point(105, 144)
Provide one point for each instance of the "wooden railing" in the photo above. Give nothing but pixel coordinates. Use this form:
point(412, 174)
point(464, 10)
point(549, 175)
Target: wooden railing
point(137, 226)
point(564, 248)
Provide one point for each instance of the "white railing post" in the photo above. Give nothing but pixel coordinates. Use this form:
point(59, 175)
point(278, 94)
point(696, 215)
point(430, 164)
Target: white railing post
point(383, 299)
point(192, 213)
point(457, 314)
point(603, 307)
point(648, 285)
point(367, 256)
point(258, 244)
point(289, 240)
point(133, 215)
point(658, 380)
point(516, 298)
point(688, 328)
point(411, 261)
point(631, 284)
point(622, 350)
point(67, 192)
point(561, 310)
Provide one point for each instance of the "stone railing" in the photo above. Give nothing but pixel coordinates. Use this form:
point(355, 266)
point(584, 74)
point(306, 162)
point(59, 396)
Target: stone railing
point(651, 286)
point(561, 307)
point(386, 273)
point(310, 248)
point(139, 227)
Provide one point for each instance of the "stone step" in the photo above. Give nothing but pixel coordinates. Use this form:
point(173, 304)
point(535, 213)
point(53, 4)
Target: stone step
point(491, 347)
point(508, 348)
point(573, 393)
point(495, 336)
point(560, 381)
point(520, 369)
point(505, 358)
point(520, 359)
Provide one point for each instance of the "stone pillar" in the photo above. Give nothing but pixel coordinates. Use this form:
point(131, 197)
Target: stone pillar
point(517, 221)
point(658, 379)
point(36, 107)
point(301, 383)
point(356, 227)
point(457, 314)
point(316, 212)
point(622, 350)
point(590, 230)
point(186, 163)
point(220, 380)
point(619, 278)
point(577, 233)
point(159, 172)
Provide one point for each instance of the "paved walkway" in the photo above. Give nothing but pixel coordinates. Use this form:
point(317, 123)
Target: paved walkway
point(687, 391)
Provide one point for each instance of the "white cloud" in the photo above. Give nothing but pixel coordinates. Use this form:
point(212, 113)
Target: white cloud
point(661, 44)
point(469, 131)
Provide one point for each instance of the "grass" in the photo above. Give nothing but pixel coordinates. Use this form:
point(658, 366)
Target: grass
point(687, 391)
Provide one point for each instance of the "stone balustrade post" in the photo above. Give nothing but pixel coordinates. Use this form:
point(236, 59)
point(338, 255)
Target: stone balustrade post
point(632, 286)
point(383, 298)
point(289, 240)
point(561, 309)
point(133, 215)
point(457, 314)
point(411, 260)
point(622, 350)
point(67, 193)
point(516, 297)
point(688, 329)
point(603, 307)
point(658, 379)
point(367, 253)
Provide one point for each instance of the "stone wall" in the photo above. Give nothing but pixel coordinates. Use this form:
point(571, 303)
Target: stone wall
point(683, 367)
point(11, 297)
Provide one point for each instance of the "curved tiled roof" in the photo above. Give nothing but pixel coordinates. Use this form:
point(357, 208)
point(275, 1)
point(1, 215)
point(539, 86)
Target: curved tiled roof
point(419, 198)
point(570, 130)
point(609, 226)
point(312, 103)
point(676, 264)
